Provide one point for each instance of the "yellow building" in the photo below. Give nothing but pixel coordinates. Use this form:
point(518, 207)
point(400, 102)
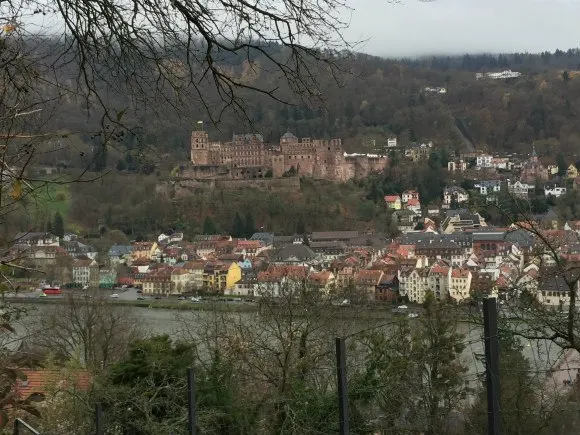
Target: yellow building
point(233, 276)
point(215, 277)
point(145, 250)
point(571, 172)
point(393, 202)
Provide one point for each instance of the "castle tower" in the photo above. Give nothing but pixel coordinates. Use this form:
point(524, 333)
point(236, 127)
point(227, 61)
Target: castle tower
point(199, 147)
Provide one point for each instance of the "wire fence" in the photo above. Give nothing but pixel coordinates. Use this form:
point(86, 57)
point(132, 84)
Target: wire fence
point(553, 371)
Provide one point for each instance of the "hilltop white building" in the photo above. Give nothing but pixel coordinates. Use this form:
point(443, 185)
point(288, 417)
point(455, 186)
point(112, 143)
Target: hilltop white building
point(507, 74)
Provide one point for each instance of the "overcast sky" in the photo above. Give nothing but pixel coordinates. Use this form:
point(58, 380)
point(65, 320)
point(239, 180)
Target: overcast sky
point(412, 27)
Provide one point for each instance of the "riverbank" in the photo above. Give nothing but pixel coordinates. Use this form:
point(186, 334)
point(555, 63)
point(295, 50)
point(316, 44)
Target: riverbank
point(376, 312)
point(152, 304)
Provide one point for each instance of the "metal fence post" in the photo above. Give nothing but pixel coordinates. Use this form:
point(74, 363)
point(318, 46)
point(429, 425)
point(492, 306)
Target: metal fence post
point(491, 365)
point(343, 410)
point(99, 418)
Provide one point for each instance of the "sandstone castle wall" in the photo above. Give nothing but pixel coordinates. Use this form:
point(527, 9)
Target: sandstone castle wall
point(248, 157)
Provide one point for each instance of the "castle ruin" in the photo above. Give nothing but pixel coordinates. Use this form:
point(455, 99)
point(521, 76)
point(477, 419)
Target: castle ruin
point(247, 156)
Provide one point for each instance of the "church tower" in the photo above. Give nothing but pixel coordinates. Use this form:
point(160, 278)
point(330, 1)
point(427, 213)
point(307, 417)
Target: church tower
point(199, 147)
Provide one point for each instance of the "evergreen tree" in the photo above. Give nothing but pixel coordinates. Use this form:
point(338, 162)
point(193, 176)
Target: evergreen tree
point(209, 226)
point(566, 76)
point(250, 225)
point(300, 226)
point(238, 227)
point(562, 166)
point(121, 165)
point(109, 216)
point(58, 225)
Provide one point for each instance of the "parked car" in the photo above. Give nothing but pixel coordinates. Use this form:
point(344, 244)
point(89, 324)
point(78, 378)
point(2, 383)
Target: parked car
point(157, 297)
point(181, 298)
point(140, 298)
point(115, 295)
point(403, 307)
point(195, 299)
point(413, 315)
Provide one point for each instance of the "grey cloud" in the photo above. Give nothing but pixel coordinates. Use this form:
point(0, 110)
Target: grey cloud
point(412, 27)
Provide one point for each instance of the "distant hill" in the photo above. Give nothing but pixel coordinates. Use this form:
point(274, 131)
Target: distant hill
point(377, 98)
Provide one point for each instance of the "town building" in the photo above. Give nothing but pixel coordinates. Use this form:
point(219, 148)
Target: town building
point(36, 239)
point(484, 161)
point(157, 282)
point(488, 186)
point(461, 220)
point(107, 278)
point(85, 272)
point(393, 202)
point(458, 165)
point(419, 152)
point(454, 195)
point(408, 195)
point(519, 189)
point(533, 169)
point(502, 75)
point(554, 189)
point(118, 254)
point(572, 172)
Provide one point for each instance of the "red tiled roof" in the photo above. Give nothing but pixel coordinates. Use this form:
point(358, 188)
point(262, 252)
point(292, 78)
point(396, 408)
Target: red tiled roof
point(194, 265)
point(460, 273)
point(439, 269)
point(368, 276)
point(413, 202)
point(140, 262)
point(244, 244)
point(391, 198)
point(41, 381)
point(320, 277)
point(142, 245)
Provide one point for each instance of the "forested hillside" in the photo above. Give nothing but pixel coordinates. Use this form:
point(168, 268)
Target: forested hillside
point(370, 100)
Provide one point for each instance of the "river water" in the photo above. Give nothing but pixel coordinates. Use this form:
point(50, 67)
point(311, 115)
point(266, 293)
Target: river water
point(542, 354)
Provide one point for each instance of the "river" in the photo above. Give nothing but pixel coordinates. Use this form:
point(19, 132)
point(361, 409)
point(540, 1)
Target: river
point(542, 354)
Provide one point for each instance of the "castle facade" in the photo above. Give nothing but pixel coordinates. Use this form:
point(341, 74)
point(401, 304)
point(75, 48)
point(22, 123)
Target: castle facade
point(247, 156)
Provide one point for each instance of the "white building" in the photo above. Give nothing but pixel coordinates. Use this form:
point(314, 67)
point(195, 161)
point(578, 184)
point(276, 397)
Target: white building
point(507, 74)
point(85, 272)
point(552, 189)
point(519, 189)
point(454, 194)
point(439, 279)
point(484, 161)
point(407, 195)
point(488, 186)
point(457, 165)
point(181, 280)
point(459, 283)
point(552, 291)
point(36, 239)
point(501, 163)
point(391, 142)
